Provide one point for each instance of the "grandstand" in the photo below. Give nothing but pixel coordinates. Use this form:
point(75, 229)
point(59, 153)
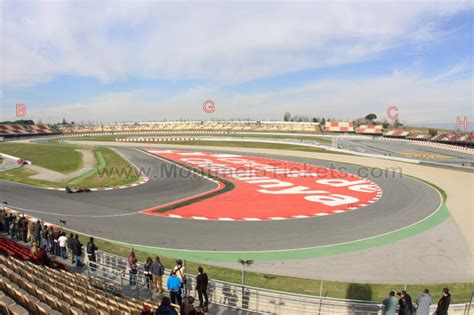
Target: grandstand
point(42, 290)
point(197, 126)
point(455, 138)
point(398, 133)
point(421, 137)
point(370, 130)
point(7, 130)
point(339, 126)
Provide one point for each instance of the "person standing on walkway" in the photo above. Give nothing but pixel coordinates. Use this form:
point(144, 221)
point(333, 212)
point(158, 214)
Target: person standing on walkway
point(91, 248)
point(443, 304)
point(63, 245)
point(132, 268)
point(405, 302)
point(37, 232)
point(174, 285)
point(147, 272)
point(390, 304)
point(77, 250)
point(202, 282)
point(180, 272)
point(157, 270)
point(423, 303)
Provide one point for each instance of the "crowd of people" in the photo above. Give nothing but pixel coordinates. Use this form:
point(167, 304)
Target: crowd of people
point(421, 306)
point(179, 301)
point(46, 240)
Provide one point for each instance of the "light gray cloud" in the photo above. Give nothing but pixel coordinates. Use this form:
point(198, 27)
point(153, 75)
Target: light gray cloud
point(419, 99)
point(226, 42)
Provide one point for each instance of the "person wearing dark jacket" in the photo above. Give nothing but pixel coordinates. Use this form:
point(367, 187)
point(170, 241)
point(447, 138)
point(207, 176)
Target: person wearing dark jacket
point(165, 307)
point(201, 287)
point(77, 250)
point(91, 249)
point(70, 240)
point(37, 232)
point(443, 304)
point(157, 270)
point(406, 306)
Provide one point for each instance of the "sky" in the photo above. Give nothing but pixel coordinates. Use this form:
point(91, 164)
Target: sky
point(107, 61)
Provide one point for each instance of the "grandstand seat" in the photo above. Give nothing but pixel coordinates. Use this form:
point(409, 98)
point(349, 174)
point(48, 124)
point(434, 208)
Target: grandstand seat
point(75, 311)
point(44, 308)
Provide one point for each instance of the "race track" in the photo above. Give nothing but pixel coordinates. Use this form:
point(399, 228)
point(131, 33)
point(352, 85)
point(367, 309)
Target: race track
point(116, 214)
point(407, 150)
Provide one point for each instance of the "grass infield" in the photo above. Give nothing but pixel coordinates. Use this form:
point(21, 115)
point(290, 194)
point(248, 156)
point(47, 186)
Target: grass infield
point(46, 156)
point(110, 169)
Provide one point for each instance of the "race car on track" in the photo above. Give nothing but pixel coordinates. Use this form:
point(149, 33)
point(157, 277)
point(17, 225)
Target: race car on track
point(71, 190)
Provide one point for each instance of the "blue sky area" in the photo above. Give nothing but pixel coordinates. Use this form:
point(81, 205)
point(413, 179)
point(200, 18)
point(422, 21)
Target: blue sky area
point(125, 61)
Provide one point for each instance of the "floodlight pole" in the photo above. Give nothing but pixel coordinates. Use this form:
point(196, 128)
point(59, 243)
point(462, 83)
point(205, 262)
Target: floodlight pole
point(244, 263)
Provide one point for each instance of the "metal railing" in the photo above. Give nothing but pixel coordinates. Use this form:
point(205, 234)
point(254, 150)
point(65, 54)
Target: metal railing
point(262, 300)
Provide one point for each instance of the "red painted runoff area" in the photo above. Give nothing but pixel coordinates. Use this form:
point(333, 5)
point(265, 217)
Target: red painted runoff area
point(268, 189)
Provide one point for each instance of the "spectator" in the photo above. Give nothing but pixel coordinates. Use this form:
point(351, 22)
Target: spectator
point(62, 240)
point(51, 240)
point(390, 304)
point(44, 236)
point(24, 229)
point(187, 307)
point(91, 249)
point(77, 250)
point(31, 231)
point(174, 286)
point(147, 272)
point(146, 310)
point(423, 303)
point(165, 307)
point(132, 268)
point(201, 287)
point(405, 303)
point(42, 257)
point(57, 249)
point(69, 247)
point(180, 272)
point(10, 222)
point(34, 249)
point(443, 304)
point(3, 219)
point(37, 232)
point(157, 270)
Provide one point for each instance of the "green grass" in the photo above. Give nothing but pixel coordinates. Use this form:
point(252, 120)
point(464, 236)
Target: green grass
point(262, 135)
point(42, 155)
point(115, 171)
point(461, 292)
point(238, 144)
point(260, 145)
point(112, 171)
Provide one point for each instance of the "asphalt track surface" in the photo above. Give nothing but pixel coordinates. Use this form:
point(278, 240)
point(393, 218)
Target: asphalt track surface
point(407, 150)
point(115, 214)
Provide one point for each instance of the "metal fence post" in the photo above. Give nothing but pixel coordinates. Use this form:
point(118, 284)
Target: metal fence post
point(320, 296)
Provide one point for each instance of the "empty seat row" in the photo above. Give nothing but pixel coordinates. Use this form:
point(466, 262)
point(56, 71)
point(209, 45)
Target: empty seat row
point(48, 290)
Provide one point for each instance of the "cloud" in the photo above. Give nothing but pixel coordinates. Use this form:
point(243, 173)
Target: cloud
point(419, 99)
point(225, 43)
